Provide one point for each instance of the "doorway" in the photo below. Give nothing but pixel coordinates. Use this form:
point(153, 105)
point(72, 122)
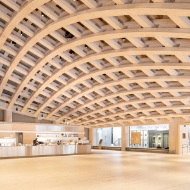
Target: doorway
point(19, 138)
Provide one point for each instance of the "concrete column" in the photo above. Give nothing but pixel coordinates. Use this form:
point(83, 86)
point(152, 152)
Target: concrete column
point(174, 136)
point(124, 138)
point(178, 137)
point(8, 116)
point(127, 135)
point(91, 136)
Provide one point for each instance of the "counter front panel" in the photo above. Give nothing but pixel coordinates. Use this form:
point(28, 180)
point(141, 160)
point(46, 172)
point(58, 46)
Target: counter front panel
point(22, 151)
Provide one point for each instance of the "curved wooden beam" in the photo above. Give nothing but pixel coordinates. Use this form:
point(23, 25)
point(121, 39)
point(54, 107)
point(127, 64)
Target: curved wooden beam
point(122, 68)
point(132, 102)
point(80, 41)
point(130, 121)
point(51, 55)
point(91, 38)
point(139, 91)
point(135, 9)
point(131, 51)
point(24, 11)
point(144, 79)
point(136, 111)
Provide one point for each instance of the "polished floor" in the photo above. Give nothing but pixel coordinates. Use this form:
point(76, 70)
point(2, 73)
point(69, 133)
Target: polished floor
point(101, 170)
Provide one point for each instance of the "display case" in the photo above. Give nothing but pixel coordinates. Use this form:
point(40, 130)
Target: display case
point(54, 138)
point(7, 141)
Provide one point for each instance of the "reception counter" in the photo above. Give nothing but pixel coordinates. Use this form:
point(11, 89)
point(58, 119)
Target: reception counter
point(29, 151)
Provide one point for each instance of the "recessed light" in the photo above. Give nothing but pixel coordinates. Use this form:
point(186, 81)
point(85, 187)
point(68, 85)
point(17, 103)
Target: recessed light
point(71, 51)
point(13, 42)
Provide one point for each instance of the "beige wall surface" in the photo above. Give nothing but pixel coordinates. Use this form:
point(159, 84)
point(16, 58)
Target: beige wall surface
point(86, 130)
point(23, 118)
point(27, 119)
point(8, 115)
point(1, 115)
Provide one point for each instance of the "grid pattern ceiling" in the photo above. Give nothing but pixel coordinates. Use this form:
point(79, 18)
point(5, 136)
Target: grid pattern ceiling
point(96, 62)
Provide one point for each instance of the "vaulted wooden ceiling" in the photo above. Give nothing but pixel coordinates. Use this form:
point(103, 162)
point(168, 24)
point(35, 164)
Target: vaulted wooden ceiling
point(96, 62)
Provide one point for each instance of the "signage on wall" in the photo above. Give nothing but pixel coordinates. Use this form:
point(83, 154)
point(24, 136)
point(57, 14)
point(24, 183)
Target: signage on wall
point(135, 137)
point(150, 127)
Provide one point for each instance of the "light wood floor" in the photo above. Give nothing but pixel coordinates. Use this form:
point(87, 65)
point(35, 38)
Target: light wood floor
point(101, 170)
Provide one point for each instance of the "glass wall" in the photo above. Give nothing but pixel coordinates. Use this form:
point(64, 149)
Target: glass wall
point(150, 136)
point(109, 136)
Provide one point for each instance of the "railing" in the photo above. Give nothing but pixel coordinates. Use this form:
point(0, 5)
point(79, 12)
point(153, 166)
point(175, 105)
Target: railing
point(117, 142)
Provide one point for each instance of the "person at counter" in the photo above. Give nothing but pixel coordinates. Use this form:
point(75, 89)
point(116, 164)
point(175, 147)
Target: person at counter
point(36, 142)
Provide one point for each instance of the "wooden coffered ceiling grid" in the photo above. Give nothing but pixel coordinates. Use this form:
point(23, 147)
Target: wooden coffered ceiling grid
point(96, 62)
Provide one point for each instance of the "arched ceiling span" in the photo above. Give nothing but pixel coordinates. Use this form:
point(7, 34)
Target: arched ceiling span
point(96, 62)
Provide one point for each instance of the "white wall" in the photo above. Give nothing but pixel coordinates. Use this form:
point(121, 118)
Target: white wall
point(183, 142)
